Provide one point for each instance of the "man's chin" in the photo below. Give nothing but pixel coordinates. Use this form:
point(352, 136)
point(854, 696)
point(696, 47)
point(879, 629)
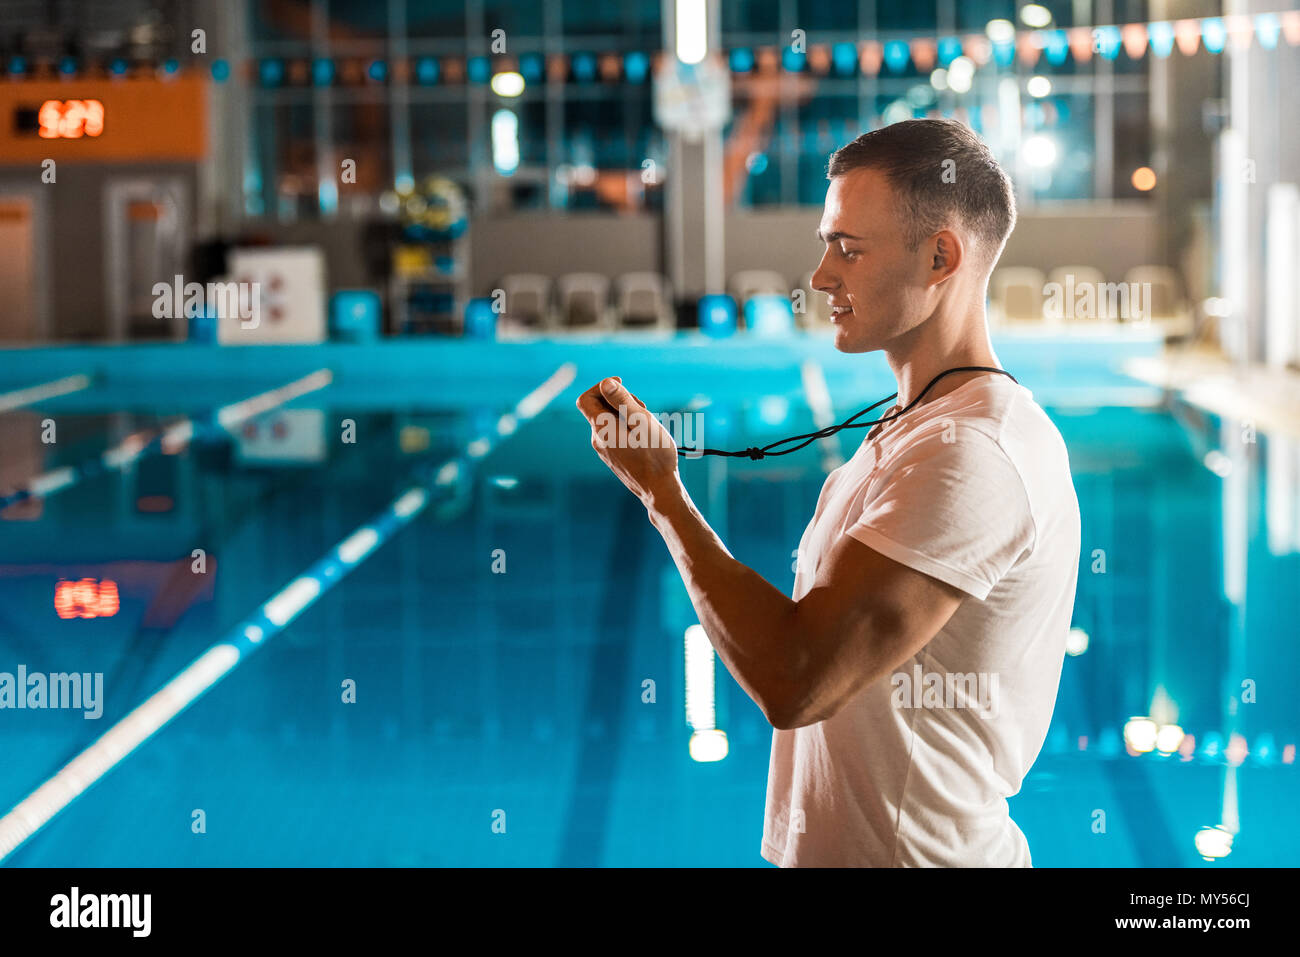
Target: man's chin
point(847, 342)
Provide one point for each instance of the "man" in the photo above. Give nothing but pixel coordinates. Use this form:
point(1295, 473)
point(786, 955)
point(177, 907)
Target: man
point(911, 678)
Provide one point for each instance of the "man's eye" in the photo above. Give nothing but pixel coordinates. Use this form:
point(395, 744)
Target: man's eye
point(849, 253)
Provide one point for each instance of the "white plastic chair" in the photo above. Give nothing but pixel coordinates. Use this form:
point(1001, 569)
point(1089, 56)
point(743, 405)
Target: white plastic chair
point(1167, 308)
point(1016, 295)
point(528, 300)
point(1071, 280)
point(757, 282)
point(645, 301)
point(1081, 275)
point(584, 302)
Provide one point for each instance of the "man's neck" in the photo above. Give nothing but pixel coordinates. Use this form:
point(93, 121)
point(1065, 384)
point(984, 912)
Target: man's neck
point(936, 345)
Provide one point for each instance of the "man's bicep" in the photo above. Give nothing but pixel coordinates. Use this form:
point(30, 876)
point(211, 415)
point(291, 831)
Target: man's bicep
point(864, 616)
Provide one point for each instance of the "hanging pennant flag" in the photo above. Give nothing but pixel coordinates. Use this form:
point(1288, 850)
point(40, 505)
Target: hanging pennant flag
point(584, 67)
point(1029, 47)
point(322, 71)
point(610, 67)
point(1056, 47)
point(1291, 27)
point(427, 70)
point(949, 50)
point(1213, 34)
point(1081, 44)
point(845, 57)
point(897, 54)
point(872, 55)
point(1134, 37)
point(531, 65)
point(269, 72)
point(979, 48)
point(924, 52)
point(1268, 27)
point(1106, 41)
point(636, 66)
point(1188, 35)
point(1242, 30)
point(1161, 36)
point(353, 71)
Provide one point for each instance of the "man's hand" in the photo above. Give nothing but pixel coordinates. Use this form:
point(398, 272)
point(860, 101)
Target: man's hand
point(632, 442)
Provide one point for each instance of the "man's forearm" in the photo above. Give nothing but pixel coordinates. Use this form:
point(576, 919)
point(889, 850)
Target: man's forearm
point(752, 624)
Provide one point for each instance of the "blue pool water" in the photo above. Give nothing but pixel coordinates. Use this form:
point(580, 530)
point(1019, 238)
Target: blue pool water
point(499, 643)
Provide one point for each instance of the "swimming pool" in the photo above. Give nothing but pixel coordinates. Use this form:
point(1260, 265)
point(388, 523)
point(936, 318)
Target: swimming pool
point(499, 642)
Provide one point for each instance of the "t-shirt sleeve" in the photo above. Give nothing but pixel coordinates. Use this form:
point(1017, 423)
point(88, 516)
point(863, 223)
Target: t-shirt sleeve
point(957, 511)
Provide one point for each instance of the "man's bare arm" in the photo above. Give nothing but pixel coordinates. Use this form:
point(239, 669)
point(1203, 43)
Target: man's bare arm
point(799, 661)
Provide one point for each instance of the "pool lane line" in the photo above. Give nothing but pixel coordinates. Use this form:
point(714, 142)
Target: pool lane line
point(818, 397)
point(78, 775)
point(171, 439)
point(625, 619)
point(46, 390)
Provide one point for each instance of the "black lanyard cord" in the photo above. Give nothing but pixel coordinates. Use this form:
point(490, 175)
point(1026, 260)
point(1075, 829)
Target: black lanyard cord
point(849, 423)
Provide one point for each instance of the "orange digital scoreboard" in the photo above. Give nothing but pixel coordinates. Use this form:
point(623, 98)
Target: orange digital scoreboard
point(63, 119)
point(102, 120)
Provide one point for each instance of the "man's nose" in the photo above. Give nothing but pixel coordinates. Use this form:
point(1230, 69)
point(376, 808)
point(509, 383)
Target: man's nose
point(822, 280)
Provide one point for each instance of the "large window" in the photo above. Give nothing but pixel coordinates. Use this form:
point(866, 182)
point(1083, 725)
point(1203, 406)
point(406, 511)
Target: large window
point(405, 89)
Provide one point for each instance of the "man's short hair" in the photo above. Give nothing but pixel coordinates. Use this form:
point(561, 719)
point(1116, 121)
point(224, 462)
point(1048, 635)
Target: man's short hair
point(914, 155)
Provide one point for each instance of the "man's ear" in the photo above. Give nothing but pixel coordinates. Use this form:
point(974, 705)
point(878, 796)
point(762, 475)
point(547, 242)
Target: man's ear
point(947, 254)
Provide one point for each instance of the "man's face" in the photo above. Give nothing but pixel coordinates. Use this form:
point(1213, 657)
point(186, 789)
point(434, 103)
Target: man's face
point(867, 267)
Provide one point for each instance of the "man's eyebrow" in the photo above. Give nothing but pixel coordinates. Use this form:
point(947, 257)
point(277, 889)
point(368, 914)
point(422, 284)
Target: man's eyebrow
point(833, 237)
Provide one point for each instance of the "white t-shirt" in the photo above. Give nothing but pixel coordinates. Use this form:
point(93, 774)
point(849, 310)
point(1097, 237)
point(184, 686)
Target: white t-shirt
point(972, 488)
